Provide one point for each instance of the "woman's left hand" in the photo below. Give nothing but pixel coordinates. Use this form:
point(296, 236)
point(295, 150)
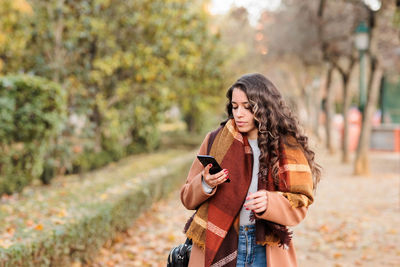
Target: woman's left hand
point(257, 202)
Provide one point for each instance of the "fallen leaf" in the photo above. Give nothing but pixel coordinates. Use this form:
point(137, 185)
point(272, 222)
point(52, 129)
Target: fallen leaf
point(39, 227)
point(392, 231)
point(171, 237)
point(62, 213)
point(10, 230)
point(324, 228)
point(337, 255)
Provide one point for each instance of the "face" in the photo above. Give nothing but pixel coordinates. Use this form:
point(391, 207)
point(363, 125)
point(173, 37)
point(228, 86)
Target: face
point(242, 114)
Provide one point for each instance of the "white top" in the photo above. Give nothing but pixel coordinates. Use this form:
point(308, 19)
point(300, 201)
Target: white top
point(245, 214)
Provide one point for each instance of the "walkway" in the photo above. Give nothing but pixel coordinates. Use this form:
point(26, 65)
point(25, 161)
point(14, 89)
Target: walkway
point(353, 222)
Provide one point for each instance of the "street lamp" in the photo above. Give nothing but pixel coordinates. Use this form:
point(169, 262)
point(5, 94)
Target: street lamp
point(362, 43)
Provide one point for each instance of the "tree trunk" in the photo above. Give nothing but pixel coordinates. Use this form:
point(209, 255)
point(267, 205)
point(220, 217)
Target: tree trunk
point(190, 122)
point(58, 43)
point(316, 103)
point(329, 111)
point(346, 106)
point(361, 164)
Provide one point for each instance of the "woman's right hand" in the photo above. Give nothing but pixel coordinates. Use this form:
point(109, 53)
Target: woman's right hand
point(214, 179)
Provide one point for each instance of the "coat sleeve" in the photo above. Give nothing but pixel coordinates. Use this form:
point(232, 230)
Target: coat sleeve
point(280, 211)
point(192, 192)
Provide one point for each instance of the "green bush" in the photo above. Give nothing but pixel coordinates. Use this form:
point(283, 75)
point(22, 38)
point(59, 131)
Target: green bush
point(98, 221)
point(90, 160)
point(33, 112)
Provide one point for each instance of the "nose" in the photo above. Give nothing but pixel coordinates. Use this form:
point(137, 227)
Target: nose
point(240, 111)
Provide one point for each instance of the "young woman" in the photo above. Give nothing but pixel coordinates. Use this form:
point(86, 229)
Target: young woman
point(272, 177)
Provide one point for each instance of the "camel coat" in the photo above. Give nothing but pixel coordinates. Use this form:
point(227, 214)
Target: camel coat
point(278, 210)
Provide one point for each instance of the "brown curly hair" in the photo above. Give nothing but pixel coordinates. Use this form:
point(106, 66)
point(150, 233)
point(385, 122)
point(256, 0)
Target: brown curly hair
point(275, 123)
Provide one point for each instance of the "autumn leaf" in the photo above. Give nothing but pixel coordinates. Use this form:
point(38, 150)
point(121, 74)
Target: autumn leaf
point(337, 255)
point(10, 230)
point(39, 227)
point(62, 213)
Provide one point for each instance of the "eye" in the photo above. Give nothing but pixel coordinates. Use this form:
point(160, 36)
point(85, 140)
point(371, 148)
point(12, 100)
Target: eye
point(247, 107)
point(234, 107)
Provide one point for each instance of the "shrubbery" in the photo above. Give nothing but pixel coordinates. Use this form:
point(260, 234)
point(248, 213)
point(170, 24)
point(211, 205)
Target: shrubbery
point(32, 114)
point(95, 210)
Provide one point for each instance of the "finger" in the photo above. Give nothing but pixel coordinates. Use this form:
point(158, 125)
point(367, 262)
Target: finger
point(219, 180)
point(207, 169)
point(222, 179)
point(259, 205)
point(259, 210)
point(256, 201)
point(256, 194)
point(252, 202)
point(256, 207)
point(220, 174)
point(224, 171)
point(251, 206)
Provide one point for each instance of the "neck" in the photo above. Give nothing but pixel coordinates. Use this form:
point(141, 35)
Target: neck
point(252, 135)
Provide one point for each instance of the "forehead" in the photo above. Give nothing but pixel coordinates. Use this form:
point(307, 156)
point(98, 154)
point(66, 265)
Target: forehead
point(239, 96)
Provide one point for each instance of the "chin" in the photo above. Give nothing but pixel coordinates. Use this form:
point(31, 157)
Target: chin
point(243, 129)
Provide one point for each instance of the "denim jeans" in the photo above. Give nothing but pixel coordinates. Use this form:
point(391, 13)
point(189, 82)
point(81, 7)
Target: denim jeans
point(249, 253)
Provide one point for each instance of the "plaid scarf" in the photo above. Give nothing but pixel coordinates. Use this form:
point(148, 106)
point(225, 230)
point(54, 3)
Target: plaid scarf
point(214, 226)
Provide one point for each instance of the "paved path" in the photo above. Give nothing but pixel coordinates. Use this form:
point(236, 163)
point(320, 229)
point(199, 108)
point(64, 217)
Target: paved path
point(353, 222)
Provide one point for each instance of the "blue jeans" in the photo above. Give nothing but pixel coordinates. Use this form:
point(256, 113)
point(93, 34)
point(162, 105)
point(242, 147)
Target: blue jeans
point(249, 253)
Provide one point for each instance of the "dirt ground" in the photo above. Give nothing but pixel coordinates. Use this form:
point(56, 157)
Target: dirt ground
point(354, 221)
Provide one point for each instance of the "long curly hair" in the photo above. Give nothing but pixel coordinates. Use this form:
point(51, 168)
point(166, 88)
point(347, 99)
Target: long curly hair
point(275, 122)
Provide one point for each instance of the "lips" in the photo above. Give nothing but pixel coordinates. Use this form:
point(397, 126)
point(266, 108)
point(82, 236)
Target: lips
point(240, 123)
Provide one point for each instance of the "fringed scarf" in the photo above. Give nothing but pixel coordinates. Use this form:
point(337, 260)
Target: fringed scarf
point(214, 226)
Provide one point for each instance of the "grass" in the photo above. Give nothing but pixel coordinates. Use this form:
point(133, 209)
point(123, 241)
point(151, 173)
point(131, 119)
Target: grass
point(40, 213)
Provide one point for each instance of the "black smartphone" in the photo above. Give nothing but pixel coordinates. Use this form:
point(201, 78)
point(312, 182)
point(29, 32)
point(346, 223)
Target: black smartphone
point(206, 159)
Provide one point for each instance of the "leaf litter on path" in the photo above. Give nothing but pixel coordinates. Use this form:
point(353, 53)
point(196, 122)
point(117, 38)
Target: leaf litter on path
point(353, 222)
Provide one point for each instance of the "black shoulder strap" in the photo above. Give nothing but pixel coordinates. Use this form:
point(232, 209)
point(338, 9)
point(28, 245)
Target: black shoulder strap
point(211, 139)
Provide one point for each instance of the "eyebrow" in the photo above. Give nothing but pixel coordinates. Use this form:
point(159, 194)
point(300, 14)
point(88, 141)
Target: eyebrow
point(233, 102)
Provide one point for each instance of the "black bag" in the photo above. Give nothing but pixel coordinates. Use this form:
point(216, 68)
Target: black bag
point(179, 256)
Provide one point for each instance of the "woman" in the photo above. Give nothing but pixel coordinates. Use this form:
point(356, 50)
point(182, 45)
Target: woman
point(272, 177)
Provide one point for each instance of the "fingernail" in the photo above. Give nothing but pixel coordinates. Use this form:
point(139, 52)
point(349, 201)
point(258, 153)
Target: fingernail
point(210, 165)
point(247, 208)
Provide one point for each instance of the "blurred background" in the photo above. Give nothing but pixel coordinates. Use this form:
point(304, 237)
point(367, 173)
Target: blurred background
point(85, 84)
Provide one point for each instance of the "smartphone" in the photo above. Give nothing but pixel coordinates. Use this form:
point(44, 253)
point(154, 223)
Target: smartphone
point(205, 160)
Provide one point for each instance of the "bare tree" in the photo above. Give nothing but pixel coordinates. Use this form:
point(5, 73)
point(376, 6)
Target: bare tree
point(328, 108)
point(361, 164)
point(384, 40)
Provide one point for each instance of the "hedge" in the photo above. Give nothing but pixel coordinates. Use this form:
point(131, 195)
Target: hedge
point(33, 112)
point(99, 221)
